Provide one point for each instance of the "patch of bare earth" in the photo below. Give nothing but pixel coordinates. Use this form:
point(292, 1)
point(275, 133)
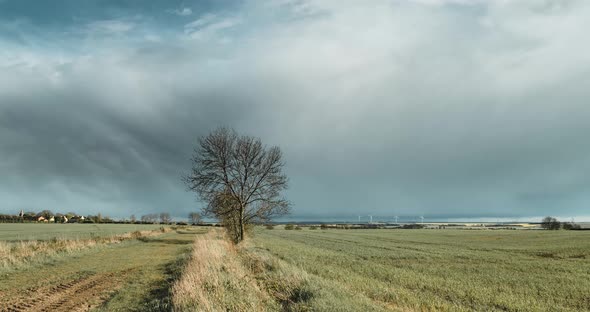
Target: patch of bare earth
point(80, 294)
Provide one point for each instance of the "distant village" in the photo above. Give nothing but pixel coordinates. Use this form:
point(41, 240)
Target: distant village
point(47, 216)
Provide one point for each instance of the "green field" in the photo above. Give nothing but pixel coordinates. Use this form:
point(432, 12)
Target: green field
point(303, 270)
point(437, 270)
point(40, 231)
point(134, 275)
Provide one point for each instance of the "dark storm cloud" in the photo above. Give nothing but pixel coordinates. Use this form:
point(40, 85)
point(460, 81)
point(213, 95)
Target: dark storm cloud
point(436, 108)
point(91, 144)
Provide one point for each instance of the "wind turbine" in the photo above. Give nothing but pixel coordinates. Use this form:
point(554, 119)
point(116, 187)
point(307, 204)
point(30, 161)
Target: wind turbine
point(395, 219)
point(370, 219)
point(422, 219)
point(359, 219)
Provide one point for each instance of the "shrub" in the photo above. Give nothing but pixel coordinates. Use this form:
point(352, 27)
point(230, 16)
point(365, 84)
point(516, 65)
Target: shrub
point(313, 227)
point(289, 227)
point(270, 227)
point(571, 226)
point(298, 227)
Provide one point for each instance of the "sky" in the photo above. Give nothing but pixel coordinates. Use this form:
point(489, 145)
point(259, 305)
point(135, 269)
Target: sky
point(448, 109)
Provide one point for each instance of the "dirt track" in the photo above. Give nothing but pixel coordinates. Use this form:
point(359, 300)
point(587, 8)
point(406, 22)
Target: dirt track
point(81, 294)
point(121, 277)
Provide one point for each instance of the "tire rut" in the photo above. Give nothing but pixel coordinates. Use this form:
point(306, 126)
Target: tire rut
point(81, 294)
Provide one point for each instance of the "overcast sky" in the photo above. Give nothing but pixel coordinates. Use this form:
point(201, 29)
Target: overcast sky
point(441, 108)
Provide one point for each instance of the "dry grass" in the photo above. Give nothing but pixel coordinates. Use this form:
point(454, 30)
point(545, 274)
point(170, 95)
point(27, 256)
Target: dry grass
point(215, 279)
point(223, 277)
point(15, 254)
point(286, 284)
point(369, 270)
point(295, 289)
point(437, 270)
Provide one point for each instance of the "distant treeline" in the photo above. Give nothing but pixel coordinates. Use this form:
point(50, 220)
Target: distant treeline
point(324, 226)
point(47, 216)
point(548, 223)
point(551, 223)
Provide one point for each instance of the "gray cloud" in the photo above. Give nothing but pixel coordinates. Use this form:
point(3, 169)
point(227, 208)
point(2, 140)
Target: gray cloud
point(457, 109)
point(182, 12)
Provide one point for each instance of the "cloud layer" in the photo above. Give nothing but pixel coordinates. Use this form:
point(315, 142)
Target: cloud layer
point(440, 108)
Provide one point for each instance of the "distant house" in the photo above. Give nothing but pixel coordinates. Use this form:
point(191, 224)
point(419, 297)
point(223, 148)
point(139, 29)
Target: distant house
point(77, 219)
point(52, 219)
point(41, 219)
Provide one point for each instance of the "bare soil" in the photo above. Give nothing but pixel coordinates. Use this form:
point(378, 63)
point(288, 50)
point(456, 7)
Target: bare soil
point(80, 294)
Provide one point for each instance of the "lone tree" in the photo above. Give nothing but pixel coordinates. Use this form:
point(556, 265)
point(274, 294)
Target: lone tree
point(550, 223)
point(165, 218)
point(240, 179)
point(194, 217)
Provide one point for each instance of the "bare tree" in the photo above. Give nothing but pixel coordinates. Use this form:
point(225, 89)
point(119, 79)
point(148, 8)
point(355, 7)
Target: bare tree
point(194, 217)
point(149, 218)
point(239, 178)
point(550, 223)
point(165, 217)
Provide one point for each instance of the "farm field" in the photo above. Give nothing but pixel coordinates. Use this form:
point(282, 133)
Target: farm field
point(40, 231)
point(133, 275)
point(436, 270)
point(197, 269)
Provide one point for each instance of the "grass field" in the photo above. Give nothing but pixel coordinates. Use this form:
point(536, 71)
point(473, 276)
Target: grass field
point(133, 275)
point(198, 269)
point(437, 270)
point(40, 231)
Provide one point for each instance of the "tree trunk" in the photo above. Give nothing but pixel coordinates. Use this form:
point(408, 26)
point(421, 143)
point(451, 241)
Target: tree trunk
point(241, 223)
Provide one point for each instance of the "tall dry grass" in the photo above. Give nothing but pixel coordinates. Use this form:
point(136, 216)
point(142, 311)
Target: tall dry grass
point(14, 254)
point(221, 276)
point(215, 279)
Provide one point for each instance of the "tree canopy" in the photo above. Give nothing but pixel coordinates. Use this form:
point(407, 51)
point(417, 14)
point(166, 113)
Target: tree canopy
point(550, 223)
point(239, 178)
